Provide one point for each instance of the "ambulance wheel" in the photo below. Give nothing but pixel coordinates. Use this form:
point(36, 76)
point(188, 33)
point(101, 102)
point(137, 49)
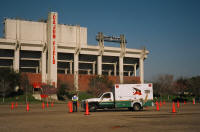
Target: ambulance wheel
point(136, 107)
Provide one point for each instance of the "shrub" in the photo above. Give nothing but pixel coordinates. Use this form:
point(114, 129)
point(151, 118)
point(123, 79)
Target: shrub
point(62, 91)
point(84, 95)
point(9, 80)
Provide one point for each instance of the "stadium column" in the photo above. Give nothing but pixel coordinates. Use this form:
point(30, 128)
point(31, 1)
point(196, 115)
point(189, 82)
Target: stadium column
point(129, 73)
point(109, 72)
point(88, 71)
point(121, 69)
point(135, 66)
point(52, 48)
point(43, 62)
point(101, 51)
point(121, 57)
point(43, 65)
point(93, 68)
point(65, 70)
point(16, 59)
point(70, 68)
point(141, 61)
point(115, 69)
point(76, 59)
point(99, 65)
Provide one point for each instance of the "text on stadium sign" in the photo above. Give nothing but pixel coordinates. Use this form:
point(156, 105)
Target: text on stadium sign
point(54, 37)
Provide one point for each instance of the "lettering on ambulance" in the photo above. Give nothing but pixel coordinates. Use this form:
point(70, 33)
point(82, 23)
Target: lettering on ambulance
point(136, 91)
point(117, 86)
point(150, 85)
point(54, 37)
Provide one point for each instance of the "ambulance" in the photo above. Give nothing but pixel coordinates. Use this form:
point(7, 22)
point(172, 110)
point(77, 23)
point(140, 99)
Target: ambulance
point(131, 96)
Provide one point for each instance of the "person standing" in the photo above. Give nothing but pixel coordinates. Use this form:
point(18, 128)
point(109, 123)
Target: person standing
point(75, 100)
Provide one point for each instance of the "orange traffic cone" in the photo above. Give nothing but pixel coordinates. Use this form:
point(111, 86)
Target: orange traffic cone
point(87, 109)
point(43, 105)
point(27, 107)
point(12, 106)
point(157, 106)
point(70, 106)
point(178, 105)
point(16, 105)
point(52, 104)
point(164, 102)
point(173, 108)
point(193, 101)
point(160, 104)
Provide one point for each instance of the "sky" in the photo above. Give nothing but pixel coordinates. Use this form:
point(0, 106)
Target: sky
point(169, 29)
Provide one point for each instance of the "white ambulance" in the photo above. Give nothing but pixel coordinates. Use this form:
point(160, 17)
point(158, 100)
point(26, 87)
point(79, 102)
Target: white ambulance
point(131, 96)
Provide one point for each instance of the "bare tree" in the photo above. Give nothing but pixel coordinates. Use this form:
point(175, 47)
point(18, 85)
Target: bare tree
point(163, 85)
point(194, 85)
point(25, 85)
point(99, 85)
point(181, 85)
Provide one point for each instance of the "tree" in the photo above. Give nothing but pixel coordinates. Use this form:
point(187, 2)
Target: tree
point(9, 80)
point(163, 85)
point(194, 85)
point(25, 85)
point(63, 90)
point(181, 85)
point(99, 85)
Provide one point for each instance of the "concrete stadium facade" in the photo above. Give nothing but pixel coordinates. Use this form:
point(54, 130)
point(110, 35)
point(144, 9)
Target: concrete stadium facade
point(49, 49)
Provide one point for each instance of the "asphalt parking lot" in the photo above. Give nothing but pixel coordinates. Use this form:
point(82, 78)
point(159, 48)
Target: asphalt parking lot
point(58, 119)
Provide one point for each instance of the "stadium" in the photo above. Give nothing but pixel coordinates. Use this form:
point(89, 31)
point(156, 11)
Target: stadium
point(47, 52)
